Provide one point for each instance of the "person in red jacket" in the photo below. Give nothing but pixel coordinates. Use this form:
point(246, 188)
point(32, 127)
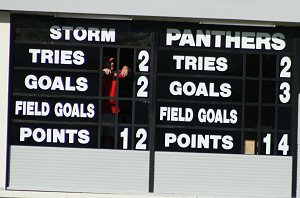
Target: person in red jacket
point(109, 84)
point(109, 106)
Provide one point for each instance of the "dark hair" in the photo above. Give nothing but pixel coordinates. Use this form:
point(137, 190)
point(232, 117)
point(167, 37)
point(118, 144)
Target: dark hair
point(107, 61)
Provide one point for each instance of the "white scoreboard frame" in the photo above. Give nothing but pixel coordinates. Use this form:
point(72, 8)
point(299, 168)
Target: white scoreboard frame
point(235, 12)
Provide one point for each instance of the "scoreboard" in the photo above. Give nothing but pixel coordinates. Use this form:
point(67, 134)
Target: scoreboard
point(153, 86)
point(189, 88)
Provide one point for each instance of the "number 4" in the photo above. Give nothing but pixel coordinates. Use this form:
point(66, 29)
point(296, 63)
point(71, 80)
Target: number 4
point(283, 145)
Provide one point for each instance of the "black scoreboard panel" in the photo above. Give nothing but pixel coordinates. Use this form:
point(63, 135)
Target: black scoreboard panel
point(155, 86)
point(244, 93)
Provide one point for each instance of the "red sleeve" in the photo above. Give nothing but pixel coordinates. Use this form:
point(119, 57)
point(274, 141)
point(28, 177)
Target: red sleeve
point(120, 75)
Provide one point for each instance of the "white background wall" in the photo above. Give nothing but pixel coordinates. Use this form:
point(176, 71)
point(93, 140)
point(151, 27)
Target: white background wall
point(4, 70)
point(254, 10)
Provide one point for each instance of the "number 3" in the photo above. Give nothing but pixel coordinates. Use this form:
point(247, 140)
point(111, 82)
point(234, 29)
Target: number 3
point(285, 96)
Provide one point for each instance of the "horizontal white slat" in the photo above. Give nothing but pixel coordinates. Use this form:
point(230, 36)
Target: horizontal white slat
point(222, 174)
point(78, 170)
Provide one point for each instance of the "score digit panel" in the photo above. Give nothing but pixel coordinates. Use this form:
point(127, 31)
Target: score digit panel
point(127, 85)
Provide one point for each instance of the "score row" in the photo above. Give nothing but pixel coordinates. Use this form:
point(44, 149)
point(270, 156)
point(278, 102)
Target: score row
point(166, 139)
point(169, 61)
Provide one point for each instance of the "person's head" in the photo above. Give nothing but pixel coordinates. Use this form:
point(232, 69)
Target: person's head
point(109, 63)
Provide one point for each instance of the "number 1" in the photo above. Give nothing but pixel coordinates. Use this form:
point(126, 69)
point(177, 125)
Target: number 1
point(124, 135)
point(267, 141)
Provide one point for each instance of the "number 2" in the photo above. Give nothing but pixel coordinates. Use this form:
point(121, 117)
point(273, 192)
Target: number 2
point(286, 63)
point(143, 82)
point(144, 56)
point(140, 145)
